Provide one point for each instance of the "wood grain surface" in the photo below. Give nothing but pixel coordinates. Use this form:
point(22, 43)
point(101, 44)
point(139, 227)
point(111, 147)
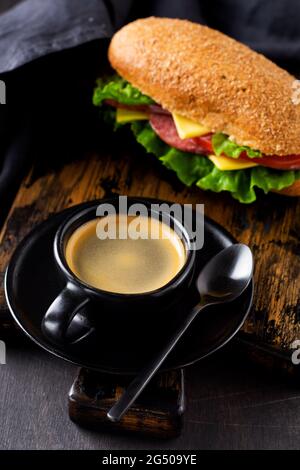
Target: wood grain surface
point(271, 227)
point(157, 412)
point(230, 402)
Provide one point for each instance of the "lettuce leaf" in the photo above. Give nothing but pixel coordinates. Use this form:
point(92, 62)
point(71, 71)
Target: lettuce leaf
point(222, 145)
point(191, 168)
point(199, 170)
point(118, 89)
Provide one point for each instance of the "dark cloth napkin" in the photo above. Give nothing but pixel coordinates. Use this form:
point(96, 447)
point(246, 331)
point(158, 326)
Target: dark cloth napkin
point(51, 51)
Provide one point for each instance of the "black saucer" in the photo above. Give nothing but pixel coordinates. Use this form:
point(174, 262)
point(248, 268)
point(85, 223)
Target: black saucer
point(32, 282)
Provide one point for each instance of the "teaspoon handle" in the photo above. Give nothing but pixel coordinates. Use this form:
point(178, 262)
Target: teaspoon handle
point(141, 380)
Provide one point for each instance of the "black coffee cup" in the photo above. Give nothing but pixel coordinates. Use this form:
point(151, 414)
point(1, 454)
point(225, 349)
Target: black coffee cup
point(76, 294)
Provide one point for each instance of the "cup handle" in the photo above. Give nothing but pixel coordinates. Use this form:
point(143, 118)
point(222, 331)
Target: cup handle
point(61, 312)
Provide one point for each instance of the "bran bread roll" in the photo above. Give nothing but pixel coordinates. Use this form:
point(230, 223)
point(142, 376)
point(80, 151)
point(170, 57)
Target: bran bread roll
point(212, 79)
point(293, 190)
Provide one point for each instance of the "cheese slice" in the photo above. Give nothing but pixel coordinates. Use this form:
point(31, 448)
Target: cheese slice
point(125, 115)
point(187, 128)
point(227, 163)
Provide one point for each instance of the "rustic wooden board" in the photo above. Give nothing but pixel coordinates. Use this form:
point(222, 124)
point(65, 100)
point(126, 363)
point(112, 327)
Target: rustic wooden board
point(157, 412)
point(271, 227)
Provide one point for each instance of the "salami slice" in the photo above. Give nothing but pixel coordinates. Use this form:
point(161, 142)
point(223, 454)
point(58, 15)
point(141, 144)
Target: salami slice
point(145, 108)
point(164, 127)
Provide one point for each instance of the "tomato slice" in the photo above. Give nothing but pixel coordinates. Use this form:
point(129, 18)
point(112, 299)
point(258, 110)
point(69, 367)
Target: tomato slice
point(205, 143)
point(287, 162)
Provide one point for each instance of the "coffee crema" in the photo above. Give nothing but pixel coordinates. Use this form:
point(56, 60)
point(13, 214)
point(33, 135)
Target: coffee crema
point(126, 266)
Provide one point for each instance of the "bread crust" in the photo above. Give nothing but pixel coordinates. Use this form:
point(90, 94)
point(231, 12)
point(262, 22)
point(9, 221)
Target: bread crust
point(206, 76)
point(293, 190)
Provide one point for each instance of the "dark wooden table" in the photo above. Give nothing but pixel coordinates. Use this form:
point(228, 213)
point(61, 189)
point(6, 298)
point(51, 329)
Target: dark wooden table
point(232, 402)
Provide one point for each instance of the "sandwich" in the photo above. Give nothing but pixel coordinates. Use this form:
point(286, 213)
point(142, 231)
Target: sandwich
point(220, 115)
